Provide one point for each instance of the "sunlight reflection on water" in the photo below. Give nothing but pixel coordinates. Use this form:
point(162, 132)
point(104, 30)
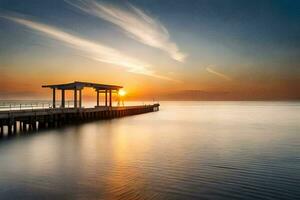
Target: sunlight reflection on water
point(187, 150)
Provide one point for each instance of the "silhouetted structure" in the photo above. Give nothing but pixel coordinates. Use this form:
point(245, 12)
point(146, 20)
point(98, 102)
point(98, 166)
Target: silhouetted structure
point(34, 119)
point(78, 87)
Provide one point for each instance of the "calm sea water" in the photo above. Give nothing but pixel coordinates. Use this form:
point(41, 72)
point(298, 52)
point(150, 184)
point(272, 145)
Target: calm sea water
point(187, 150)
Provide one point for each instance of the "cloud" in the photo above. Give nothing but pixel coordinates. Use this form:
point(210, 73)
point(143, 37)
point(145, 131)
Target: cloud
point(135, 23)
point(221, 75)
point(92, 50)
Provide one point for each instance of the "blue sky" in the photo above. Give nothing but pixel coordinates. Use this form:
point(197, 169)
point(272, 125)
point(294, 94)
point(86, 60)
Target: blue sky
point(232, 46)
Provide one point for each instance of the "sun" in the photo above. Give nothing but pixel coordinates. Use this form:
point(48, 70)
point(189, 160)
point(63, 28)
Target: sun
point(122, 93)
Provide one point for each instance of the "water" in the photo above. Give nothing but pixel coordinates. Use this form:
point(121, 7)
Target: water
point(187, 150)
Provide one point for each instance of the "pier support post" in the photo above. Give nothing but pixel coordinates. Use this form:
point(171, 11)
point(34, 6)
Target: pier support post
point(1, 130)
point(15, 127)
point(24, 128)
point(75, 98)
point(53, 97)
point(30, 126)
point(110, 99)
point(21, 126)
point(42, 125)
point(105, 97)
point(62, 98)
point(97, 98)
point(80, 98)
point(9, 129)
point(34, 125)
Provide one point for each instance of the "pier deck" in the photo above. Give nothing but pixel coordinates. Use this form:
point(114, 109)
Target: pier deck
point(17, 121)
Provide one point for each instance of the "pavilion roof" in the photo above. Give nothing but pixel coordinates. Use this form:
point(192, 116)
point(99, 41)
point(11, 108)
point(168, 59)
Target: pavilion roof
point(81, 85)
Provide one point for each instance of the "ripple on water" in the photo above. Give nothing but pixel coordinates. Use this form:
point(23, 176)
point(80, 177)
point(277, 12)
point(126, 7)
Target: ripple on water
point(191, 150)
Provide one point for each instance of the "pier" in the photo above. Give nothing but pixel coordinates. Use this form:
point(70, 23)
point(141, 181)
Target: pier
point(19, 121)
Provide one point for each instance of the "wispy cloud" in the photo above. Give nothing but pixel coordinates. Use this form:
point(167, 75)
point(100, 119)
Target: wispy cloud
point(136, 23)
point(221, 75)
point(92, 50)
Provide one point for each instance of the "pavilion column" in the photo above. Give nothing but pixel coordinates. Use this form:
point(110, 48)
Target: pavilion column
point(118, 96)
point(63, 98)
point(53, 97)
point(105, 97)
point(75, 98)
point(80, 98)
point(97, 97)
point(110, 99)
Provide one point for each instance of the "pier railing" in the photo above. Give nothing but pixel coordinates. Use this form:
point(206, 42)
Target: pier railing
point(30, 105)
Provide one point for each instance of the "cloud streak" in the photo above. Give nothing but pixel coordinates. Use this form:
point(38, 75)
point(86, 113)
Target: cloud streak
point(221, 75)
point(92, 50)
point(136, 24)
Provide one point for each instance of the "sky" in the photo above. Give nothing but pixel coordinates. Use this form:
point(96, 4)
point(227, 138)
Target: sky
point(248, 50)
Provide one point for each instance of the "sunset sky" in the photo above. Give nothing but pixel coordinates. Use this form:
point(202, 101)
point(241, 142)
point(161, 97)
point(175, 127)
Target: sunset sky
point(249, 49)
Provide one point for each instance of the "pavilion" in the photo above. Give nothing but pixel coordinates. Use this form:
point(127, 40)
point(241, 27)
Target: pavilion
point(78, 87)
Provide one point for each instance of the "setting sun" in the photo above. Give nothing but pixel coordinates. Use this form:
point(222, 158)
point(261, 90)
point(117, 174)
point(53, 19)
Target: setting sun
point(122, 93)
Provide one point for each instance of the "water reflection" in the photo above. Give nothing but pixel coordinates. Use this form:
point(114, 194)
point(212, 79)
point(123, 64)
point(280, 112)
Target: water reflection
point(209, 150)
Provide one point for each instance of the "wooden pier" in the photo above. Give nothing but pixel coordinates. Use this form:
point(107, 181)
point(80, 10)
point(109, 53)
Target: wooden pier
point(19, 121)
